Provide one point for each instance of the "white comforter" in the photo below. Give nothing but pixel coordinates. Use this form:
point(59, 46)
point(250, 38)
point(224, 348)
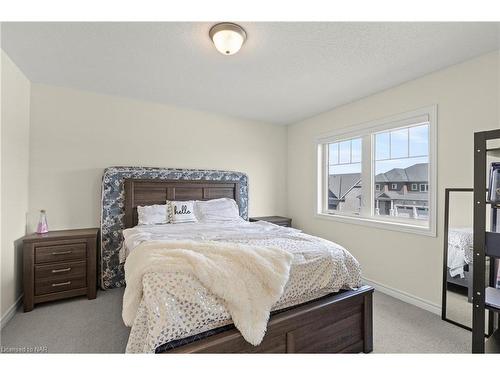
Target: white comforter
point(176, 305)
point(459, 250)
point(249, 279)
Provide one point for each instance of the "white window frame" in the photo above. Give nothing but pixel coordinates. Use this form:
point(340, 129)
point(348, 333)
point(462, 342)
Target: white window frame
point(367, 131)
point(414, 187)
point(394, 186)
point(425, 189)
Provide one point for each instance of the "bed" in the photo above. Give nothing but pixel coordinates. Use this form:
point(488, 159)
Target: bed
point(177, 314)
point(459, 262)
point(460, 258)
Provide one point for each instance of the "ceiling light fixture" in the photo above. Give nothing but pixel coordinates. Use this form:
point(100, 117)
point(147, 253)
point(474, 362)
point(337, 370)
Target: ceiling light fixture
point(227, 37)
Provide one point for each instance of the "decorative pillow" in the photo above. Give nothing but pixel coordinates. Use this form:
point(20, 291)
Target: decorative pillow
point(222, 209)
point(150, 215)
point(181, 212)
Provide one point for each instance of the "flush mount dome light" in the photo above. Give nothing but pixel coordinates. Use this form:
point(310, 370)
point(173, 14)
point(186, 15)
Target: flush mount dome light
point(227, 37)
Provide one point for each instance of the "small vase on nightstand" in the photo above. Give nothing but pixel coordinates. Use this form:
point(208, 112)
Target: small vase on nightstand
point(42, 226)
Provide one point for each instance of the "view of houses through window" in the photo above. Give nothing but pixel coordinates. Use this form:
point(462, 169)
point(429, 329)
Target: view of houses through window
point(400, 168)
point(402, 172)
point(344, 178)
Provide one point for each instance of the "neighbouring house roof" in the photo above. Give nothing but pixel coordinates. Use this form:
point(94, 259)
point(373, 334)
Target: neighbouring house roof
point(398, 195)
point(340, 184)
point(418, 172)
point(415, 173)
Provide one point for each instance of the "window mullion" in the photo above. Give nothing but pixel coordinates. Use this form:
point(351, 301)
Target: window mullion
point(366, 176)
point(326, 172)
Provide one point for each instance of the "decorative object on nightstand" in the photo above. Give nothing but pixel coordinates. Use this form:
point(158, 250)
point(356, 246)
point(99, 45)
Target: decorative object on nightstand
point(59, 264)
point(278, 220)
point(42, 226)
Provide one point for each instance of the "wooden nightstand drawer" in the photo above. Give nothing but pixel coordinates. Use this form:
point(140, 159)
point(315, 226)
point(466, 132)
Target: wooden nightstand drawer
point(60, 270)
point(59, 253)
point(59, 264)
point(46, 286)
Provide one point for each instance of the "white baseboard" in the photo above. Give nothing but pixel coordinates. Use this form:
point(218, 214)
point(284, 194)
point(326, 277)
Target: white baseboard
point(405, 297)
point(10, 312)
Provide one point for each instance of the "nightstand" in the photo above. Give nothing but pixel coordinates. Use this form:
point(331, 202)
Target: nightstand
point(59, 264)
point(278, 220)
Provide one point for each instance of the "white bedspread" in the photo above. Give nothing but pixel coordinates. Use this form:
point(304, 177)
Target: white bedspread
point(249, 279)
point(459, 250)
point(176, 305)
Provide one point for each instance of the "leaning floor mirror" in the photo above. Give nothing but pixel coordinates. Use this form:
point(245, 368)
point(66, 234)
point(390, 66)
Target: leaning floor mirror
point(457, 259)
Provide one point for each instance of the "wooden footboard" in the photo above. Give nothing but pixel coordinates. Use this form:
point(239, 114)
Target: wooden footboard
point(341, 323)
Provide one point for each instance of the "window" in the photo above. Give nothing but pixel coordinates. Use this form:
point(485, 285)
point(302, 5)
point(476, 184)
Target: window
point(401, 156)
point(398, 152)
point(344, 176)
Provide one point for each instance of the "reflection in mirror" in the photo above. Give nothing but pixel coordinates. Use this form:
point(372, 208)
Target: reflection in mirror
point(493, 146)
point(492, 219)
point(458, 250)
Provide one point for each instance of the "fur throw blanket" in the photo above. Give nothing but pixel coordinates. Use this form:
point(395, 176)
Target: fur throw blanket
point(249, 279)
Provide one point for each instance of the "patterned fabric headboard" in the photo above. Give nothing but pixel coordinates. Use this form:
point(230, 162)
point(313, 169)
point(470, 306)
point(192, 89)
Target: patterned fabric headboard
point(112, 208)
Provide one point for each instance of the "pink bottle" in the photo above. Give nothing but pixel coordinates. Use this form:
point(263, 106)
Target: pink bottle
point(42, 224)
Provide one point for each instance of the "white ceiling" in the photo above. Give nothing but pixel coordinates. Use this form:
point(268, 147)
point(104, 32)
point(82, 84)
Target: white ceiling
point(285, 72)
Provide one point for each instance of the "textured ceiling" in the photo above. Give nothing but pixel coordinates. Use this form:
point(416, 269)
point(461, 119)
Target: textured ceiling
point(285, 72)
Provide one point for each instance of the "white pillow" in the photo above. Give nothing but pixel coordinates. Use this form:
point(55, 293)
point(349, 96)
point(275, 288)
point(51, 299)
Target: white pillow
point(150, 215)
point(222, 209)
point(181, 212)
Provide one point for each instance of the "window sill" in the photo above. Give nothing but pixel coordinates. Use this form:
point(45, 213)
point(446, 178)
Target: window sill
point(382, 224)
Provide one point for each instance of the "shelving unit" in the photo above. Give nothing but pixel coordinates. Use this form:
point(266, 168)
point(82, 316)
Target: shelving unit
point(486, 244)
point(493, 299)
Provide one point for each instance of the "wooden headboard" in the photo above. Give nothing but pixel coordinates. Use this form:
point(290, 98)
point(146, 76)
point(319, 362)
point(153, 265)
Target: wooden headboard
point(140, 192)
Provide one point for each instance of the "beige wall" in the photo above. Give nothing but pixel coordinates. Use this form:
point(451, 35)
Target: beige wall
point(461, 209)
point(467, 99)
point(76, 134)
point(15, 97)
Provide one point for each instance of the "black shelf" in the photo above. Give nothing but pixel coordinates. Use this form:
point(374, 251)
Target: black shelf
point(492, 299)
point(492, 344)
point(492, 244)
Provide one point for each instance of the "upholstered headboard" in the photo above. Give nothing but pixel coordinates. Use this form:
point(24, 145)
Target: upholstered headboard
point(123, 188)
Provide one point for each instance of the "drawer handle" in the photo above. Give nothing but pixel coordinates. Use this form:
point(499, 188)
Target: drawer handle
point(61, 252)
point(62, 270)
point(61, 284)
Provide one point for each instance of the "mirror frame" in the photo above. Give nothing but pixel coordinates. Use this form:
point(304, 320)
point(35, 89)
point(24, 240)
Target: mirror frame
point(447, 192)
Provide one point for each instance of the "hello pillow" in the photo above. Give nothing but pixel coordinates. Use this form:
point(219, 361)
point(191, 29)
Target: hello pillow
point(181, 212)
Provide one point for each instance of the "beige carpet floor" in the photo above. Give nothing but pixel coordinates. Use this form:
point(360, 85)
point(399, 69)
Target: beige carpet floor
point(82, 326)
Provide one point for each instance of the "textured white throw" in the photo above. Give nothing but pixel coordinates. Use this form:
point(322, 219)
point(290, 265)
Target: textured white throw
point(249, 279)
